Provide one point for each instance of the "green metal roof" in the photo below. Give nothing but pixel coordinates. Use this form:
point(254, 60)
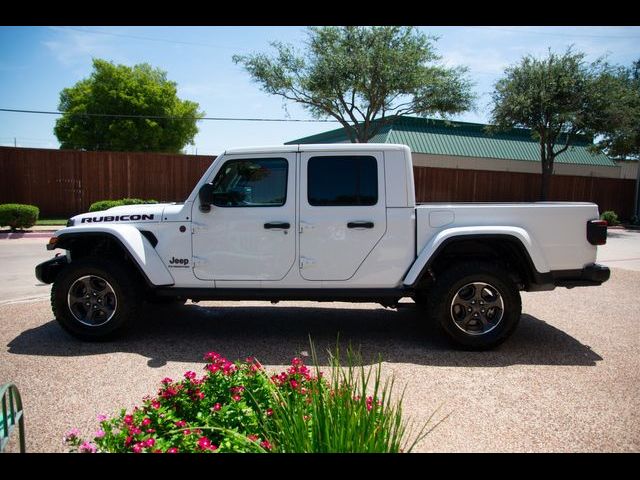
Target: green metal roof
point(441, 137)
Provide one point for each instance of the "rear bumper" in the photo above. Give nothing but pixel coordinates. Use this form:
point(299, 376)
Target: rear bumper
point(593, 274)
point(47, 271)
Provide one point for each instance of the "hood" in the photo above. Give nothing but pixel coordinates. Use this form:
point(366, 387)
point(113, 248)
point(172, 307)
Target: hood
point(151, 213)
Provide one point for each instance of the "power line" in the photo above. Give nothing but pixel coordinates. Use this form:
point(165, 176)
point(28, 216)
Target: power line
point(152, 39)
point(168, 117)
point(538, 32)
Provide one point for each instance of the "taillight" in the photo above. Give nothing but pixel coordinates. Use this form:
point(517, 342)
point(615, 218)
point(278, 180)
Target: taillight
point(597, 232)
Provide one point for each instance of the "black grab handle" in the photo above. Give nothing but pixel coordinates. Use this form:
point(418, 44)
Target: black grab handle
point(360, 225)
point(271, 225)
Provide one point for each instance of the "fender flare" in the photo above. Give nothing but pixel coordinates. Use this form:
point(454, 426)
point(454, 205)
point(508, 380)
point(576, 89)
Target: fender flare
point(144, 256)
point(444, 237)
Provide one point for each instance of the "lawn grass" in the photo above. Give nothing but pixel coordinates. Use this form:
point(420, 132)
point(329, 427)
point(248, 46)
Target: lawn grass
point(52, 221)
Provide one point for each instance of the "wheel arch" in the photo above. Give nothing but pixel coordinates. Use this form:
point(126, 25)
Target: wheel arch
point(126, 242)
point(510, 246)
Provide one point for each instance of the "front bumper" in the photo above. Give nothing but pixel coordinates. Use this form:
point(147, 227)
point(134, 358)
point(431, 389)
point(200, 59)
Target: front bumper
point(47, 271)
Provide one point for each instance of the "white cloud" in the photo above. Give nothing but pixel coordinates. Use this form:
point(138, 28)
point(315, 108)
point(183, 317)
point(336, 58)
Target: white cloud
point(72, 47)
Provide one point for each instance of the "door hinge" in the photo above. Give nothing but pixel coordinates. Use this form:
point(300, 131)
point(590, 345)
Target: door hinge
point(198, 227)
point(306, 262)
point(305, 226)
point(198, 261)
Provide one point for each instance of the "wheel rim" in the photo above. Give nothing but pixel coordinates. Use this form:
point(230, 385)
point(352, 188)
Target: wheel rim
point(92, 300)
point(477, 308)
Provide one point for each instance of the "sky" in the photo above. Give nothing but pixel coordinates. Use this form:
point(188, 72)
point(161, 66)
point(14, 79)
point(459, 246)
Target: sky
point(36, 63)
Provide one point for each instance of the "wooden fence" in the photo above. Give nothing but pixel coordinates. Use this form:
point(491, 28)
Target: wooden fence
point(65, 182)
point(455, 185)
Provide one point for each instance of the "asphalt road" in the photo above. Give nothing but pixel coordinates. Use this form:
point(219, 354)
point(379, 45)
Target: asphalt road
point(566, 381)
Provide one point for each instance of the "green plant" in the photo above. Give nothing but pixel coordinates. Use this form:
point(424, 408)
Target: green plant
point(237, 407)
point(17, 215)
point(107, 204)
point(351, 413)
point(610, 216)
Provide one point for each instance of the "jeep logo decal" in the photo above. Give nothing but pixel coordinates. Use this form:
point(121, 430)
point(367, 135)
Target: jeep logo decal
point(118, 218)
point(178, 262)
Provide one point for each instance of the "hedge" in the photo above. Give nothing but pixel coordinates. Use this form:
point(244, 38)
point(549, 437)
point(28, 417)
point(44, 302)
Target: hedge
point(17, 215)
point(107, 204)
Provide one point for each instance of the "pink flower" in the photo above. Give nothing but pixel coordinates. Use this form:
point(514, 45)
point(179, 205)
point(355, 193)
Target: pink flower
point(172, 450)
point(253, 437)
point(190, 375)
point(102, 418)
point(216, 407)
point(269, 412)
point(150, 442)
point(137, 448)
point(180, 423)
point(166, 380)
point(266, 445)
point(128, 441)
point(155, 404)
point(293, 383)
point(146, 421)
point(71, 435)
point(128, 419)
point(99, 434)
point(186, 432)
point(205, 444)
point(199, 394)
point(87, 447)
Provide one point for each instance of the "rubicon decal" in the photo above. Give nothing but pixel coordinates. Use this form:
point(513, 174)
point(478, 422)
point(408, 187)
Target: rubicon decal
point(118, 218)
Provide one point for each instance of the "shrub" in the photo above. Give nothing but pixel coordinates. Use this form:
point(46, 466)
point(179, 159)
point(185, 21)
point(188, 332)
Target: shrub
point(237, 407)
point(107, 204)
point(16, 215)
point(610, 216)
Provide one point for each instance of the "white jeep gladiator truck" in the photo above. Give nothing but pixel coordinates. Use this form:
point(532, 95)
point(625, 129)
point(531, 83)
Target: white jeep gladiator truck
point(326, 223)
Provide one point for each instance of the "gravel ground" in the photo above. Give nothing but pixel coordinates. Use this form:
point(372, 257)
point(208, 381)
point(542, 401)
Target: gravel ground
point(567, 381)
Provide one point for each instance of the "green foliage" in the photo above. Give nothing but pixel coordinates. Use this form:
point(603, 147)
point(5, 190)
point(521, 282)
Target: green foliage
point(620, 120)
point(351, 413)
point(361, 74)
point(559, 98)
point(131, 92)
point(107, 204)
point(611, 217)
point(17, 215)
point(237, 407)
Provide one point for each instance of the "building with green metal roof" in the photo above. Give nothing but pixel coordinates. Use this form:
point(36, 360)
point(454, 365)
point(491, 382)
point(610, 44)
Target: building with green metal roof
point(449, 144)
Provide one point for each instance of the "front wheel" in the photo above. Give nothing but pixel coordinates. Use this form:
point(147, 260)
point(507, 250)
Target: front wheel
point(477, 305)
point(94, 299)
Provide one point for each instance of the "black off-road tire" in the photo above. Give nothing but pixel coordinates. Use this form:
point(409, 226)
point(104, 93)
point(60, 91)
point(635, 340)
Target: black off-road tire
point(451, 284)
point(123, 282)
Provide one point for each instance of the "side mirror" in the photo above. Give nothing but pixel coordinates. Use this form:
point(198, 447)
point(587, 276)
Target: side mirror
point(206, 197)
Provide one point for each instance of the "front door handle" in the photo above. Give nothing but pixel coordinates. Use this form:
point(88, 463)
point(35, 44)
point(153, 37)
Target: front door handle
point(283, 225)
point(360, 225)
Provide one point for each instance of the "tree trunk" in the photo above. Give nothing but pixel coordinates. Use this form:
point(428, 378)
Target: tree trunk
point(545, 184)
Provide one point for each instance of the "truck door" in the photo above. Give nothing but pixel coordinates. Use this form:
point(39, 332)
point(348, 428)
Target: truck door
point(249, 234)
point(342, 212)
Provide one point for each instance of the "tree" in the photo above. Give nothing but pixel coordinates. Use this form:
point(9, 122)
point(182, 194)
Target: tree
point(560, 98)
point(362, 77)
point(126, 109)
point(620, 128)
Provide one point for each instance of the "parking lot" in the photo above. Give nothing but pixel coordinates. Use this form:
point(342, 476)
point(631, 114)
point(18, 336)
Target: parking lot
point(567, 381)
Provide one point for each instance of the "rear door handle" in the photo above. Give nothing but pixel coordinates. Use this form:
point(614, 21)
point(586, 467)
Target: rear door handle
point(283, 225)
point(360, 225)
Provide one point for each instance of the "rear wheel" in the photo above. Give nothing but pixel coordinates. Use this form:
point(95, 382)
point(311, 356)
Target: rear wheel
point(94, 299)
point(477, 304)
